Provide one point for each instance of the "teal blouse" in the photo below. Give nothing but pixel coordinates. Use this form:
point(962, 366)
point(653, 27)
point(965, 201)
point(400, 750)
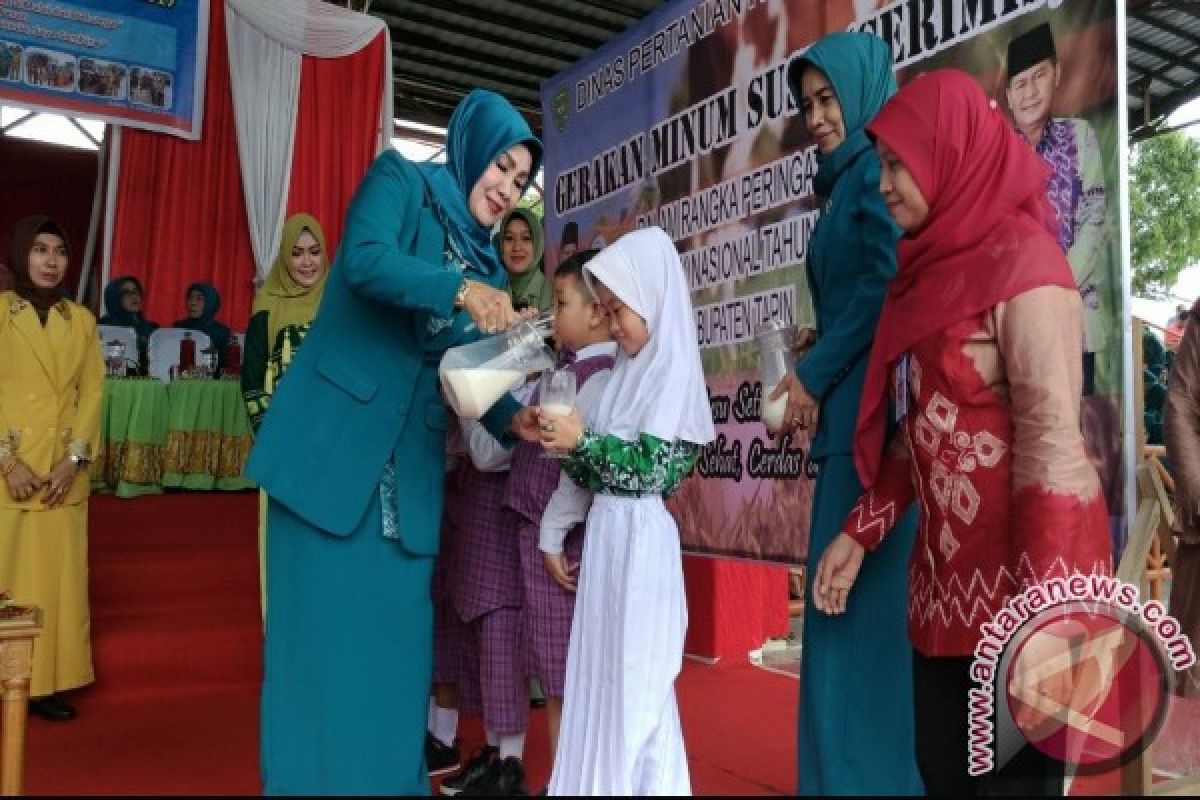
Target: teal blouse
point(648, 466)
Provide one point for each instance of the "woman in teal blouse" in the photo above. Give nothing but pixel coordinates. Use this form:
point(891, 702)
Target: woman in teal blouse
point(203, 303)
point(352, 457)
point(856, 719)
point(123, 300)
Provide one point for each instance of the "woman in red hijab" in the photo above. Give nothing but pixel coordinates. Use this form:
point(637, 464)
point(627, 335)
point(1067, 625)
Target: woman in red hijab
point(976, 367)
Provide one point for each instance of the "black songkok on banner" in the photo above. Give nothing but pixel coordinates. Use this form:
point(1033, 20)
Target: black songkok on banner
point(570, 234)
point(1030, 48)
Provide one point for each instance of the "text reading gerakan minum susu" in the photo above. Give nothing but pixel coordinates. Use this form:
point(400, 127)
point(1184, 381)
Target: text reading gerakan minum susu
point(697, 130)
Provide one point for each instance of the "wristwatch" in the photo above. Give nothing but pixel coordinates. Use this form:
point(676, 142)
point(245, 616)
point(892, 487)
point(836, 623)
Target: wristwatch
point(460, 298)
point(78, 460)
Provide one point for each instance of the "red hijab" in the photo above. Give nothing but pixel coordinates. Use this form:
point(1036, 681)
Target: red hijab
point(986, 240)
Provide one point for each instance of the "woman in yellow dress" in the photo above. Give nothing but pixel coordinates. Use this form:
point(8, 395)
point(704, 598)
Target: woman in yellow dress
point(51, 382)
point(283, 312)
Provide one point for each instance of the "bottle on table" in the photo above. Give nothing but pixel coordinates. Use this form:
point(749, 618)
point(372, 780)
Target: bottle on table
point(233, 358)
point(187, 354)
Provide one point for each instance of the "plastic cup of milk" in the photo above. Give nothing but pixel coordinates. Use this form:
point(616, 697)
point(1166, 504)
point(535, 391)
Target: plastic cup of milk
point(556, 395)
point(774, 338)
point(772, 411)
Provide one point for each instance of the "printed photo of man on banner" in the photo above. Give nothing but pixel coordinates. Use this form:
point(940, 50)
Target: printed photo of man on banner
point(687, 122)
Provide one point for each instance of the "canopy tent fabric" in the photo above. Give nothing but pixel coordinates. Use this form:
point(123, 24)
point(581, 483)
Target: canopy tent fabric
point(179, 212)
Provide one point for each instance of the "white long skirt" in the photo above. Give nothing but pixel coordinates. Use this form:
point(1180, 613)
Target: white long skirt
point(620, 732)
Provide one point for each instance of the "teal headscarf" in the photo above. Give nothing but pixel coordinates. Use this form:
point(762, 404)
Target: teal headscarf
point(218, 332)
point(116, 313)
point(212, 302)
point(482, 127)
point(859, 68)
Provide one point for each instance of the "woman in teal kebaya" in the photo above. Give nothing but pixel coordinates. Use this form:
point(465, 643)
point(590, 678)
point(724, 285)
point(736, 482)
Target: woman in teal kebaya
point(856, 718)
point(352, 457)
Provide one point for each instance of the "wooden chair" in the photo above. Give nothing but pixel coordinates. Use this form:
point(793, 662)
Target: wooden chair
point(1146, 563)
point(18, 628)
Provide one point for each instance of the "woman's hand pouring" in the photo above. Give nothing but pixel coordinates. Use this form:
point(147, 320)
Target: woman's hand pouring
point(490, 309)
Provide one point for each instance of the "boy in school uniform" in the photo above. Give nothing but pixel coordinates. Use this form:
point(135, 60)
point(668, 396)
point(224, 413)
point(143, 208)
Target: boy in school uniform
point(481, 620)
point(548, 531)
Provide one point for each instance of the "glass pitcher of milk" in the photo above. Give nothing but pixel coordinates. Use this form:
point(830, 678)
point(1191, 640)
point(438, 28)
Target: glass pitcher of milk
point(475, 376)
point(775, 353)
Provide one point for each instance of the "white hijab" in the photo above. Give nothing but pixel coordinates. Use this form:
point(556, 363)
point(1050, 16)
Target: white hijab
point(661, 390)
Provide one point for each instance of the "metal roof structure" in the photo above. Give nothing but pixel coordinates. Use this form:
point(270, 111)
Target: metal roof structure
point(1163, 56)
point(444, 48)
point(441, 49)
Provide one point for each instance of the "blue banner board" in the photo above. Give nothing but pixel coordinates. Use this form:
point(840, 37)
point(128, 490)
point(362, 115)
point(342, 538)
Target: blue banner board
point(139, 63)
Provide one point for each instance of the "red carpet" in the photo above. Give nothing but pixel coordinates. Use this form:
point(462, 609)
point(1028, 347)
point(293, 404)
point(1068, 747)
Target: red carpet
point(176, 640)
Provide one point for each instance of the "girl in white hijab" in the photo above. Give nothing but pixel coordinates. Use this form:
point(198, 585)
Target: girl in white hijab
point(620, 730)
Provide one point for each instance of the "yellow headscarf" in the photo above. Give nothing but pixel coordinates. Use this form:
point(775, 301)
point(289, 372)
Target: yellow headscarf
point(285, 301)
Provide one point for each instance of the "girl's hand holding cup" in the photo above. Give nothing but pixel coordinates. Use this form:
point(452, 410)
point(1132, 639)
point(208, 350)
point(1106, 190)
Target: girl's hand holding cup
point(560, 432)
point(561, 425)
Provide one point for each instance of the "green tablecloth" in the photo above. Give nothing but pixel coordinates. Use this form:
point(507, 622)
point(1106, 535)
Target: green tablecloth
point(208, 435)
point(188, 434)
point(133, 433)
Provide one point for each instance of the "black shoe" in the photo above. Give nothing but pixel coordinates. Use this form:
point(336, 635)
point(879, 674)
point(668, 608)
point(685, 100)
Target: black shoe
point(51, 708)
point(477, 766)
point(440, 758)
point(537, 698)
point(503, 779)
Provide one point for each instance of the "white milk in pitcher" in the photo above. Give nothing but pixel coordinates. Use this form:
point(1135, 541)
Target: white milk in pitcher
point(472, 392)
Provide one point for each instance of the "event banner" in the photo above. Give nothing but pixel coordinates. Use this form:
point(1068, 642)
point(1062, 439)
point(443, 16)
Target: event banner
point(686, 122)
point(138, 63)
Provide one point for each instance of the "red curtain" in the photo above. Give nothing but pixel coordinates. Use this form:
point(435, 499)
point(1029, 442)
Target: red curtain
point(180, 214)
point(337, 134)
point(42, 178)
point(180, 211)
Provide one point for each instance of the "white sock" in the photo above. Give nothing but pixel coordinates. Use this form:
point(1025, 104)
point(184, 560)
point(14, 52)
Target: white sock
point(492, 738)
point(445, 724)
point(511, 745)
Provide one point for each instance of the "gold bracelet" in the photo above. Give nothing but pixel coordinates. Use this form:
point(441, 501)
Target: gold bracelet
point(460, 297)
point(8, 466)
point(80, 449)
